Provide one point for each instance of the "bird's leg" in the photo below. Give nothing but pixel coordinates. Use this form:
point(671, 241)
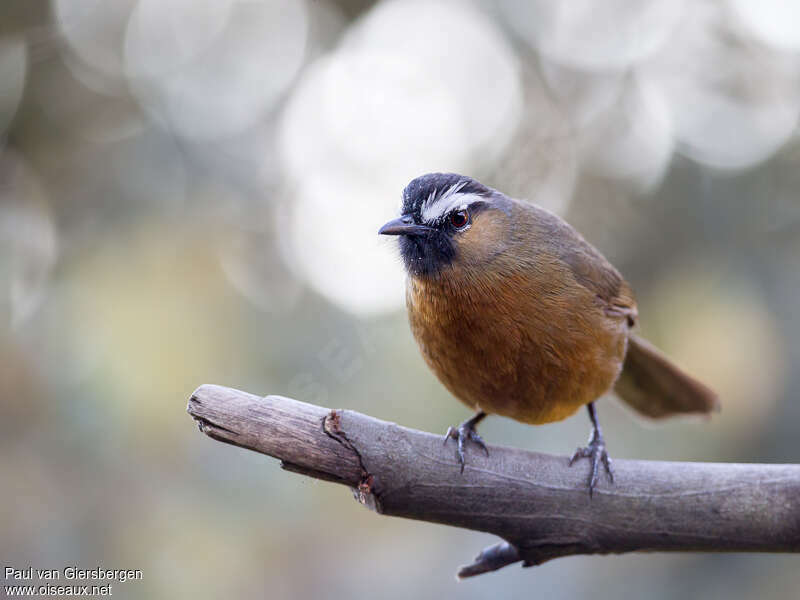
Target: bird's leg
point(466, 431)
point(596, 451)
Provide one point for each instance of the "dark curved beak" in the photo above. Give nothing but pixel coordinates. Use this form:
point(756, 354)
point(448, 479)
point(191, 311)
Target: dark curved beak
point(403, 226)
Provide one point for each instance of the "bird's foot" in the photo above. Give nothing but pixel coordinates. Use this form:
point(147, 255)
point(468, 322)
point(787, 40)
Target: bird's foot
point(596, 451)
point(462, 433)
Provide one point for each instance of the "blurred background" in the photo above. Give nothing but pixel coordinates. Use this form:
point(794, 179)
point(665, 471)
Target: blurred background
point(190, 193)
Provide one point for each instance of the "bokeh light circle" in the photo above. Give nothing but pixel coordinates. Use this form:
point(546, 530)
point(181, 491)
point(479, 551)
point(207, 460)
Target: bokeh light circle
point(733, 102)
point(220, 80)
point(13, 70)
point(28, 241)
point(333, 243)
point(774, 22)
point(383, 107)
point(584, 34)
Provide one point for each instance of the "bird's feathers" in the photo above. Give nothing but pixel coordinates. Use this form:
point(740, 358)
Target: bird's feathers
point(519, 315)
point(588, 266)
point(652, 385)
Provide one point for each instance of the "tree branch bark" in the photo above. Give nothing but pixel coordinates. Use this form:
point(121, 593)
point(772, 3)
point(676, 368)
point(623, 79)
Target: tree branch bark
point(539, 506)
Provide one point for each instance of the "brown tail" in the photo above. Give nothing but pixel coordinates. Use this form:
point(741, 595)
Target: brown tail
point(655, 387)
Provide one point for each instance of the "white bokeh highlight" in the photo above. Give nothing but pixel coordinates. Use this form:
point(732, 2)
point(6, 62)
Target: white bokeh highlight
point(733, 102)
point(633, 140)
point(583, 95)
point(386, 105)
point(92, 30)
point(588, 35)
point(333, 243)
point(163, 36)
point(225, 67)
point(13, 68)
point(28, 241)
point(325, 119)
point(773, 22)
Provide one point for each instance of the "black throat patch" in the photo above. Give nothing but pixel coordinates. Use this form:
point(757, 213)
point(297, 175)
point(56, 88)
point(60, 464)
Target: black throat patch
point(426, 255)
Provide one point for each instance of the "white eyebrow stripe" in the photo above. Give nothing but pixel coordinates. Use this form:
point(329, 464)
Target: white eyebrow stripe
point(453, 189)
point(445, 204)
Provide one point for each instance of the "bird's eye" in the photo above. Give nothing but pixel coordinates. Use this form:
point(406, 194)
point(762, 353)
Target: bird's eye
point(459, 218)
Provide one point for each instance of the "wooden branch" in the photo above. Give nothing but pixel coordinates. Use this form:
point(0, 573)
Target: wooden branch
point(539, 506)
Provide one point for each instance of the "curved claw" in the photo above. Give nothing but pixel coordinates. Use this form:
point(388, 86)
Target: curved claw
point(462, 433)
point(473, 435)
point(596, 451)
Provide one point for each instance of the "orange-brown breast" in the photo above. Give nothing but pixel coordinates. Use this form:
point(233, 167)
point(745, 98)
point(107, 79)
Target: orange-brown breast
point(533, 345)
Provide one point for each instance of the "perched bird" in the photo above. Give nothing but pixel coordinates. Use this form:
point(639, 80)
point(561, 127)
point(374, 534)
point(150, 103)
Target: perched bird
point(519, 316)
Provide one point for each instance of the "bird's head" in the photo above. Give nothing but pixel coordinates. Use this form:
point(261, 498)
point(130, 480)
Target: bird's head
point(449, 221)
